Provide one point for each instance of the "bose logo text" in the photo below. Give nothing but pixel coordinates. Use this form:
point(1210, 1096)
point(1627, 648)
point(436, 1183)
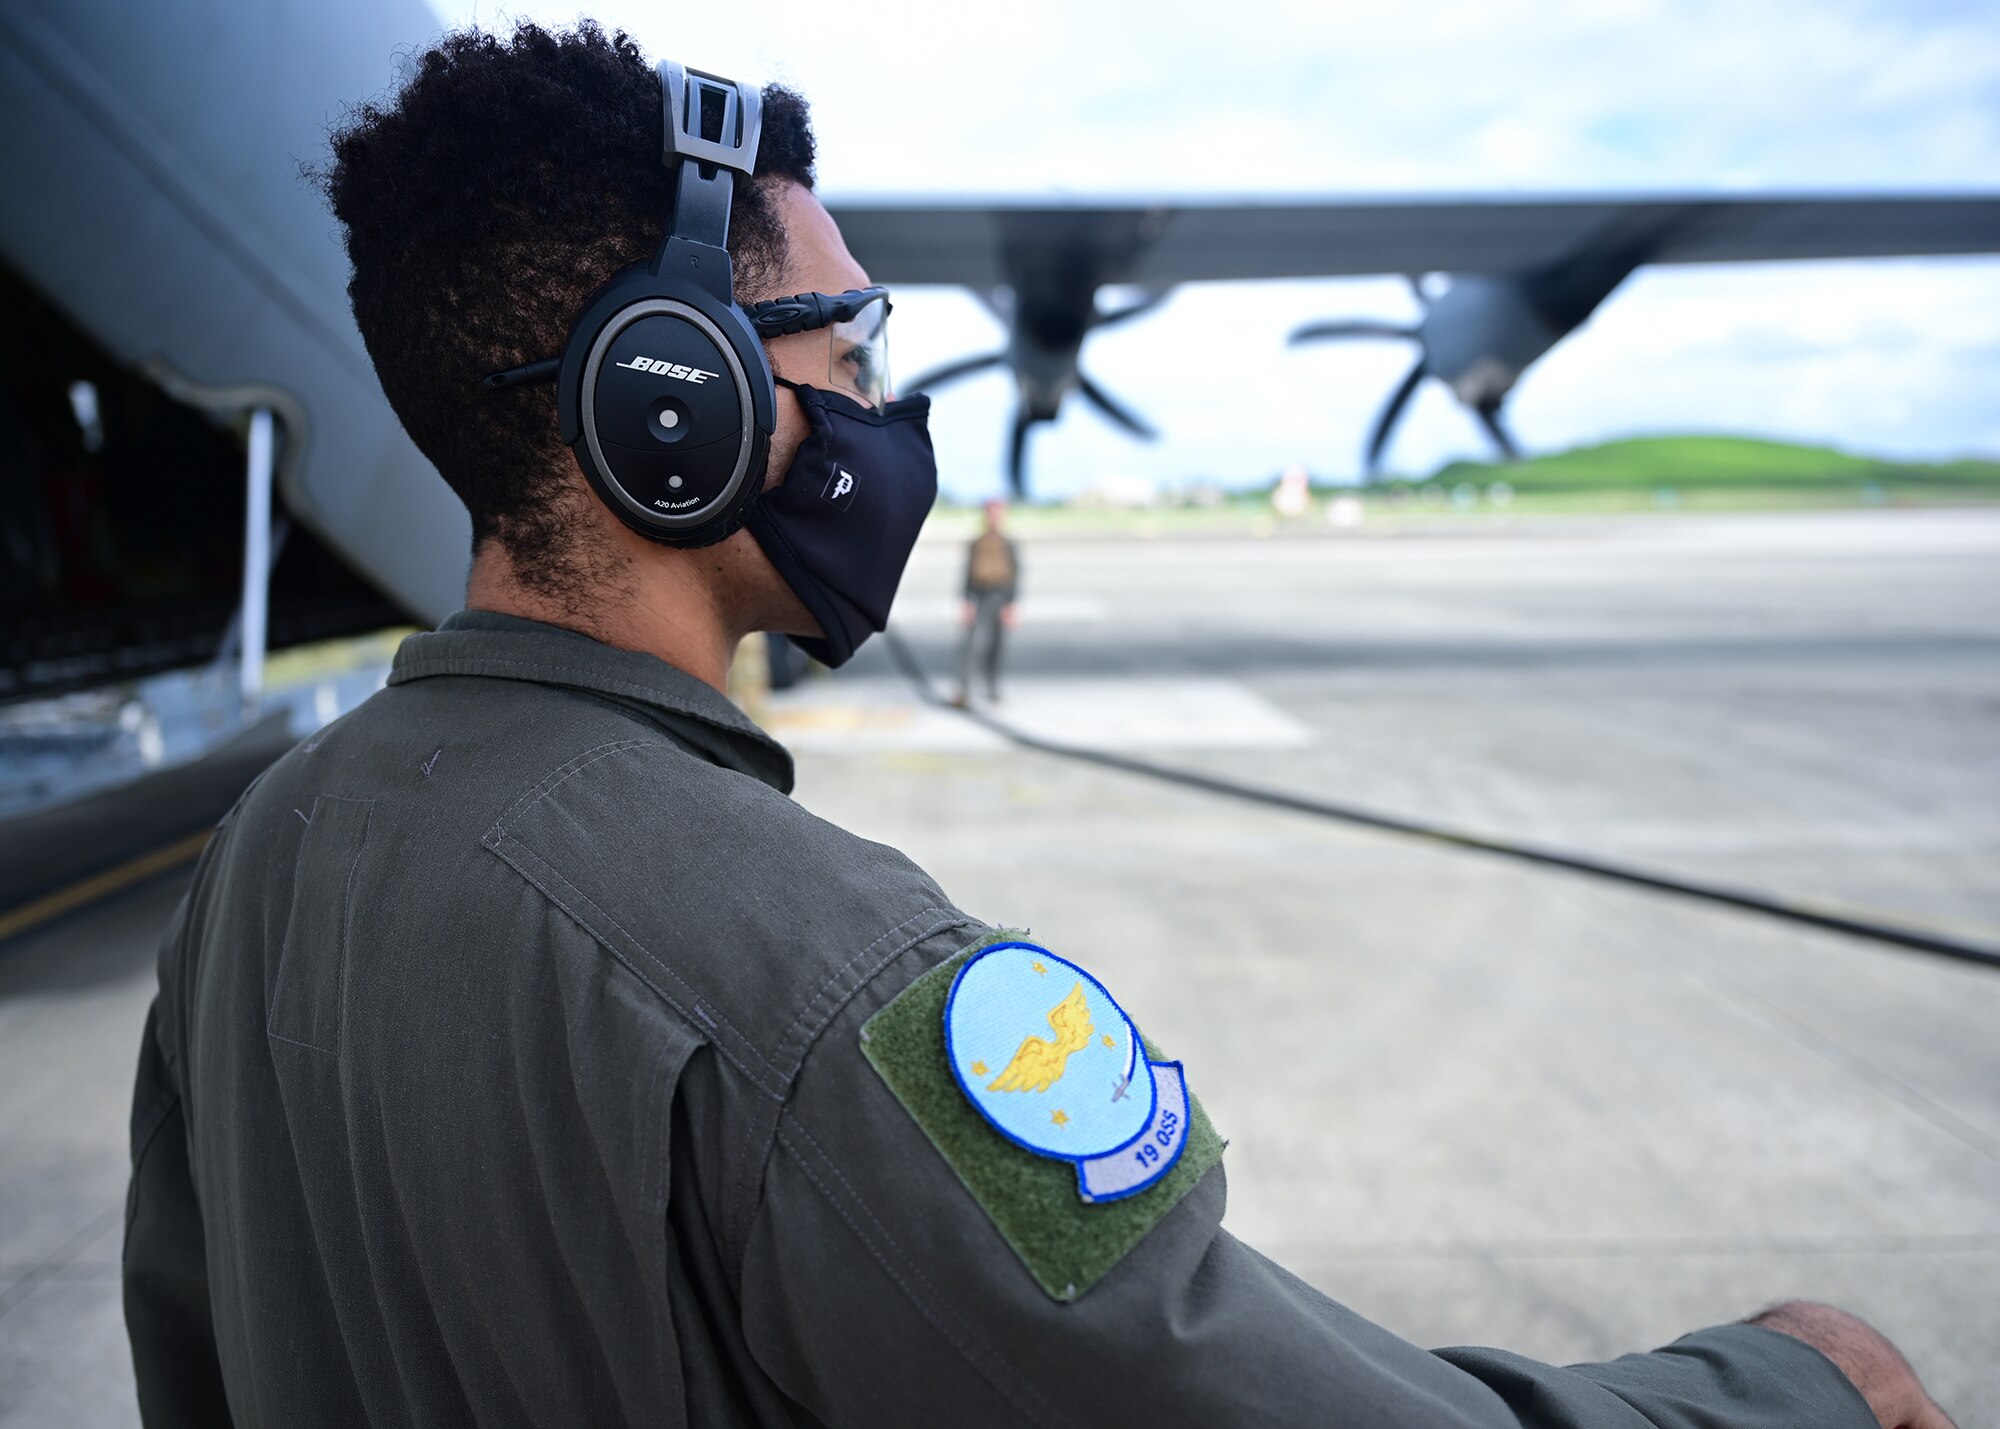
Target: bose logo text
point(668, 369)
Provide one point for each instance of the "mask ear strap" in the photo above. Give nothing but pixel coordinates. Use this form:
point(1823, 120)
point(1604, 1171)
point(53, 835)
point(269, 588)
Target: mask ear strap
point(787, 382)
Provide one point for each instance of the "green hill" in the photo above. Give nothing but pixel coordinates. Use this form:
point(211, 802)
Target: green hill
point(1711, 463)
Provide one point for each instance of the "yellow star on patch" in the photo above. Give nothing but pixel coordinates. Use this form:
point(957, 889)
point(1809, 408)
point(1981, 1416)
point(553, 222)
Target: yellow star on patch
point(1108, 1042)
point(1039, 968)
point(978, 1069)
point(1060, 1118)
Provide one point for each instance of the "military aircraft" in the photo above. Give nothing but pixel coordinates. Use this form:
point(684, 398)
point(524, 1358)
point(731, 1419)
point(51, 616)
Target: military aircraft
point(1520, 274)
point(158, 229)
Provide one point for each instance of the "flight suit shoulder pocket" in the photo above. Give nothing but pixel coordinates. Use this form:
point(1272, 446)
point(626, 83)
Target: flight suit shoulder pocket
point(306, 992)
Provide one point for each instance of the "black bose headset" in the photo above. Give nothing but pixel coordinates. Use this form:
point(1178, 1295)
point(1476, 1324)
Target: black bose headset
point(664, 390)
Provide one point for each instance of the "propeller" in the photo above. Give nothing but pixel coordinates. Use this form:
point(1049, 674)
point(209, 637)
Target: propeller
point(1017, 451)
point(1045, 372)
point(952, 371)
point(1477, 336)
point(1392, 410)
point(1385, 420)
point(1017, 445)
point(1118, 412)
point(1148, 300)
point(1489, 418)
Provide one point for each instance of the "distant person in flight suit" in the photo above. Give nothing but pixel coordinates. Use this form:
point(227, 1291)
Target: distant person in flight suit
point(992, 584)
point(524, 1055)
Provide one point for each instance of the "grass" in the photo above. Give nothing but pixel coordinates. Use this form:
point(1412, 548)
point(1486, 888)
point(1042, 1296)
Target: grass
point(1693, 463)
point(1703, 474)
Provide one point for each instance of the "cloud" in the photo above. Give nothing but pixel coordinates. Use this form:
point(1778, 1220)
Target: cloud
point(1301, 96)
point(1304, 95)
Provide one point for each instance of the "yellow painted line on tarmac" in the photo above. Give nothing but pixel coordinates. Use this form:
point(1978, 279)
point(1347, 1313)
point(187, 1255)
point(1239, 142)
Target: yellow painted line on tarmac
point(86, 891)
point(329, 659)
point(841, 719)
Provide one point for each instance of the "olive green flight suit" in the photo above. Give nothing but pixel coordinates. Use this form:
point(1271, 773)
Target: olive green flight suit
point(507, 1068)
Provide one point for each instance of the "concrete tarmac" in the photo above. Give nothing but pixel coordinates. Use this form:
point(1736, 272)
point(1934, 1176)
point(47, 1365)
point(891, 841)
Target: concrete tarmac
point(1479, 1102)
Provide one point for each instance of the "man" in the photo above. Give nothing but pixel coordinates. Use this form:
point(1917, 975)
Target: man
point(523, 1055)
point(992, 583)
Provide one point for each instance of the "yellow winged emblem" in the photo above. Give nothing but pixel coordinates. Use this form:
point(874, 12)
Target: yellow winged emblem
point(1040, 1062)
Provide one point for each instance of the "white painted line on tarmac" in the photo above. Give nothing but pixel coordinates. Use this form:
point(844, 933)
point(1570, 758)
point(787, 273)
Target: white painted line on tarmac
point(1134, 714)
point(1032, 610)
point(861, 716)
point(846, 715)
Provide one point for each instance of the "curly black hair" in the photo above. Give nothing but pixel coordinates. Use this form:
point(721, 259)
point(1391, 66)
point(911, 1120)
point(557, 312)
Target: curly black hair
point(484, 202)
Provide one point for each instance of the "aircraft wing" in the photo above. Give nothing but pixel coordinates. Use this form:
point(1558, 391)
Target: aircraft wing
point(984, 244)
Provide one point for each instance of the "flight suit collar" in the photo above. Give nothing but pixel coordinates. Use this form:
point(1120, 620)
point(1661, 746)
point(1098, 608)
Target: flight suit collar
point(506, 647)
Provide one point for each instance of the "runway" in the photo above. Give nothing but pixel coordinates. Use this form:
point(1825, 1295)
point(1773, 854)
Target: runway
point(1479, 1102)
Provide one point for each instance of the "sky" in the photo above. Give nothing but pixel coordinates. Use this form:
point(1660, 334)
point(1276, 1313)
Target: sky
point(1459, 97)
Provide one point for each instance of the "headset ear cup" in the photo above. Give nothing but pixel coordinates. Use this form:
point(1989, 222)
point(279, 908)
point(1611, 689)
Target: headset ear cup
point(671, 408)
point(717, 527)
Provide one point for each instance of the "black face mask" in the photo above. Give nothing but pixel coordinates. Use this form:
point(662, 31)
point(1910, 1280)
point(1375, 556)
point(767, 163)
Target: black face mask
point(840, 528)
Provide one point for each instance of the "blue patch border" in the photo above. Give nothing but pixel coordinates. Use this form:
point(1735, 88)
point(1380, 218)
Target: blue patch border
point(1187, 1130)
point(1138, 1059)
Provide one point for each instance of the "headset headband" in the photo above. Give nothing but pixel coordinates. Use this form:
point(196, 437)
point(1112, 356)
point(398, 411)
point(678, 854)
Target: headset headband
point(710, 127)
point(734, 111)
point(707, 123)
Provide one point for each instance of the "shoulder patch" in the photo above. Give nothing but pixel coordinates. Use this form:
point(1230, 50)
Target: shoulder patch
point(988, 1054)
point(1071, 1083)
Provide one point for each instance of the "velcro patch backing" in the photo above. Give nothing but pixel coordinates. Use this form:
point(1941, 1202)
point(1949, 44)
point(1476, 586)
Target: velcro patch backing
point(1067, 1243)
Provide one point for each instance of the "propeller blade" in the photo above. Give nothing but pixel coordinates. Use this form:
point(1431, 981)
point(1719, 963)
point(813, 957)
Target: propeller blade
point(1489, 418)
point(1139, 309)
point(1355, 327)
point(1119, 413)
point(952, 371)
point(1017, 451)
point(1379, 438)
